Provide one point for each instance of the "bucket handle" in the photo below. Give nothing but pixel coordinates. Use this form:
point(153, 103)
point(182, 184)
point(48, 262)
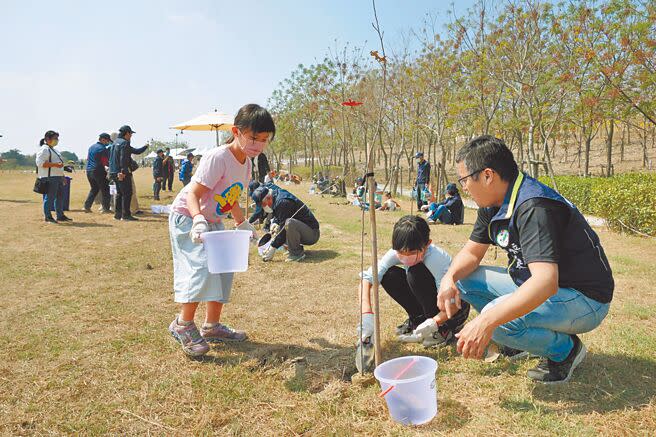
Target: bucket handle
point(397, 376)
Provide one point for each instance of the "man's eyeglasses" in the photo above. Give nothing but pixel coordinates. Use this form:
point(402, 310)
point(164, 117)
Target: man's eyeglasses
point(463, 179)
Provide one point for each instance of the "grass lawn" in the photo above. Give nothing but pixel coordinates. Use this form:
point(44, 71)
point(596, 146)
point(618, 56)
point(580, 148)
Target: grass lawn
point(86, 350)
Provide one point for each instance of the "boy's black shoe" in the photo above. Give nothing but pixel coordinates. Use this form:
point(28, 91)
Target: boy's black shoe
point(406, 327)
point(551, 372)
point(50, 220)
point(129, 218)
point(64, 219)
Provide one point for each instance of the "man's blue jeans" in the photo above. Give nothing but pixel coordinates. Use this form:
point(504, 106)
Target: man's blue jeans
point(545, 330)
point(54, 195)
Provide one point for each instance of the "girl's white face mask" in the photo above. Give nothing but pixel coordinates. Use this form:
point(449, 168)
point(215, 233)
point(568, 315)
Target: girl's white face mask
point(411, 259)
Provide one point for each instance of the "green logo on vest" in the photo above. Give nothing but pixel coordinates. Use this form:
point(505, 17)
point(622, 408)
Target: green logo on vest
point(503, 237)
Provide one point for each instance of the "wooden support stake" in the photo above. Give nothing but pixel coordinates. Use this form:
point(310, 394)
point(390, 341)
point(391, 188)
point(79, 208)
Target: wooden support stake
point(374, 256)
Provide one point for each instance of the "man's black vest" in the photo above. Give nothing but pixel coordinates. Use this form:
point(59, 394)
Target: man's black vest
point(583, 264)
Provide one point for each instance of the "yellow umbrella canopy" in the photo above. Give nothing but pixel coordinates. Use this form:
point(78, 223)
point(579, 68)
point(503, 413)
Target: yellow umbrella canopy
point(213, 121)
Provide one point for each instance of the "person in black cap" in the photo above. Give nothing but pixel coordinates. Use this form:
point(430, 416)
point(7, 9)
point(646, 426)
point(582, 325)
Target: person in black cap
point(97, 159)
point(158, 173)
point(292, 224)
point(423, 177)
point(450, 211)
point(119, 170)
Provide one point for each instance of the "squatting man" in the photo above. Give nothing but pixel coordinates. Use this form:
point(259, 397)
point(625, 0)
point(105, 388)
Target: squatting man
point(558, 282)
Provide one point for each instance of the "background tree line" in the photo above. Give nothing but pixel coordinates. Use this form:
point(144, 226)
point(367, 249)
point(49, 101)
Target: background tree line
point(549, 78)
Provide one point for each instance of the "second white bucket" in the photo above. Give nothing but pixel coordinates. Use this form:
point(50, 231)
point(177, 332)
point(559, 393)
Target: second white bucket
point(413, 400)
point(227, 251)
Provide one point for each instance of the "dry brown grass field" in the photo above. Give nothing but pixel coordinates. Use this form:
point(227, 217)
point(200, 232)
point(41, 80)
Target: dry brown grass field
point(85, 349)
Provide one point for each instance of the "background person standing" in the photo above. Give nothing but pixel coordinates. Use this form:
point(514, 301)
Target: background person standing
point(50, 165)
point(186, 168)
point(97, 159)
point(169, 171)
point(423, 177)
point(158, 173)
point(119, 170)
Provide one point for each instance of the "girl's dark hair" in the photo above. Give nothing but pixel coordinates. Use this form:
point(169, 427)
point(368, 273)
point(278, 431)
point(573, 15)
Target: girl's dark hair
point(48, 136)
point(410, 233)
point(254, 118)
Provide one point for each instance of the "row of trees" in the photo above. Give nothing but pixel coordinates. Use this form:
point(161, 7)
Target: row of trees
point(14, 158)
point(546, 77)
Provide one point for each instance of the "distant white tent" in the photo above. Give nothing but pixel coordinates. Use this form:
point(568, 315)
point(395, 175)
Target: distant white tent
point(203, 150)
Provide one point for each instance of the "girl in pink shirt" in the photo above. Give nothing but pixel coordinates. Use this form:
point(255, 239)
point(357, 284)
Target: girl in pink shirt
point(202, 206)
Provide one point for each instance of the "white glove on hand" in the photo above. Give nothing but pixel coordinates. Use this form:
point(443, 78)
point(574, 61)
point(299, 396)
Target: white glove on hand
point(268, 254)
point(274, 228)
point(364, 350)
point(423, 331)
point(247, 226)
point(366, 330)
point(426, 329)
point(200, 226)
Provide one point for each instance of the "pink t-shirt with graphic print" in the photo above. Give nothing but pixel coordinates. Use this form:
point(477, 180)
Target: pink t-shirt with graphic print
point(226, 178)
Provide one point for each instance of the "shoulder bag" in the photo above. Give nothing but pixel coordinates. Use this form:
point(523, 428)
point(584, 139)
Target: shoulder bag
point(41, 184)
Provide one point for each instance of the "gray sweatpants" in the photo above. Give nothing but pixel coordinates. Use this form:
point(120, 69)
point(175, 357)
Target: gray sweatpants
point(298, 233)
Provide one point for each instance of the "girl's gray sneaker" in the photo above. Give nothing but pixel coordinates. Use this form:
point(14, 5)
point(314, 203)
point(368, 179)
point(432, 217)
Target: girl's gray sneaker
point(220, 332)
point(188, 336)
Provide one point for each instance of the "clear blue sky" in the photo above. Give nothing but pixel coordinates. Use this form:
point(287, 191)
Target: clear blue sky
point(84, 67)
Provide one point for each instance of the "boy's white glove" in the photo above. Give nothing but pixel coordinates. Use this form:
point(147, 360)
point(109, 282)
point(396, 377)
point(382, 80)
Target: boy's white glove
point(422, 332)
point(268, 253)
point(426, 328)
point(425, 208)
point(275, 228)
point(364, 349)
point(200, 226)
point(247, 226)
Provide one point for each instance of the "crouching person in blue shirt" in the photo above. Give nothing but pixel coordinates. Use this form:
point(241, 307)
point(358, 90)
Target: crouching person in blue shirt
point(410, 273)
point(292, 222)
point(558, 282)
point(450, 211)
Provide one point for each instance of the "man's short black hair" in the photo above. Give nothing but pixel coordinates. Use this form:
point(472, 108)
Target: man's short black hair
point(410, 233)
point(487, 151)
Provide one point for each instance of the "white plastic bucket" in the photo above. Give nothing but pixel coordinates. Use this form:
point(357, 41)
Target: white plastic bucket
point(227, 251)
point(413, 400)
point(264, 247)
point(160, 209)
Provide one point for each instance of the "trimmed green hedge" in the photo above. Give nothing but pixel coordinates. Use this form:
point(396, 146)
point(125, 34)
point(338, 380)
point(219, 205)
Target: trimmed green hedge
point(627, 200)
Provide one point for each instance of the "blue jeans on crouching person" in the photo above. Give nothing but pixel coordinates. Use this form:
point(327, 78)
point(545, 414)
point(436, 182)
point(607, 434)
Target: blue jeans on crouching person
point(546, 330)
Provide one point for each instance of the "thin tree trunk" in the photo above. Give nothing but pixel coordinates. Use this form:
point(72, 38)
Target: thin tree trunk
point(533, 165)
point(311, 150)
point(628, 137)
point(586, 156)
point(520, 149)
point(609, 148)
point(644, 145)
point(623, 139)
